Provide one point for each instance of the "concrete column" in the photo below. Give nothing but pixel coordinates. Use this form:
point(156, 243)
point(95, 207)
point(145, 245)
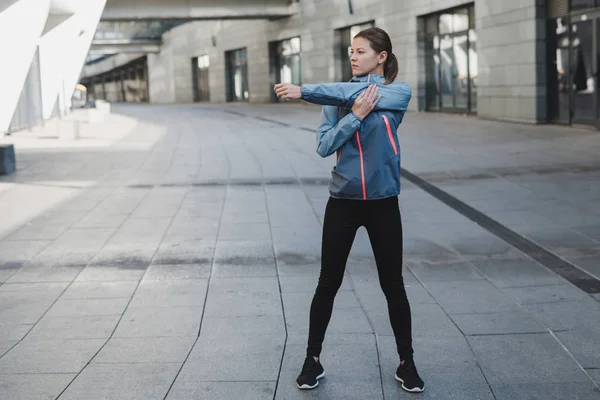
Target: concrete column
point(21, 25)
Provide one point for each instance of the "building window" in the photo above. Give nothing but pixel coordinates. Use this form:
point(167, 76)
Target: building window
point(200, 78)
point(573, 41)
point(236, 66)
point(342, 44)
point(449, 42)
point(284, 63)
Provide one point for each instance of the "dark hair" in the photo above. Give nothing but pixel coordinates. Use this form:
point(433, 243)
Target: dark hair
point(380, 41)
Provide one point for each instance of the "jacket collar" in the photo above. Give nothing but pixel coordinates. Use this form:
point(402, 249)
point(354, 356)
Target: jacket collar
point(369, 78)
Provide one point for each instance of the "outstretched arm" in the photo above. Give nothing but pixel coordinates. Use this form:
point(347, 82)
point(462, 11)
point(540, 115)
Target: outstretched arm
point(394, 97)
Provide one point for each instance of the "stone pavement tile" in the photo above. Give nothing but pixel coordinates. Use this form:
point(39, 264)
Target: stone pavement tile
point(468, 297)
point(294, 253)
point(121, 201)
point(343, 320)
point(24, 308)
point(584, 344)
point(308, 269)
point(592, 231)
point(192, 390)
point(231, 297)
point(565, 242)
point(39, 290)
point(351, 371)
point(344, 299)
point(546, 391)
point(595, 374)
point(126, 255)
point(160, 321)
point(18, 252)
point(92, 327)
point(546, 294)
point(253, 325)
point(99, 219)
point(160, 205)
point(33, 386)
point(482, 246)
point(244, 217)
point(425, 250)
point(588, 264)
point(49, 356)
point(427, 320)
point(176, 252)
point(566, 315)
point(99, 290)
point(305, 283)
point(445, 378)
point(6, 273)
point(205, 362)
point(244, 253)
point(6, 346)
point(515, 273)
point(157, 272)
point(193, 228)
point(175, 293)
point(55, 273)
point(145, 350)
point(13, 331)
point(122, 381)
point(460, 271)
point(42, 229)
point(497, 323)
point(222, 270)
point(597, 296)
point(533, 358)
point(246, 232)
point(107, 273)
point(87, 307)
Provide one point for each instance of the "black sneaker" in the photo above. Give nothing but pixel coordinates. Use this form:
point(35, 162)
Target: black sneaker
point(312, 371)
point(408, 375)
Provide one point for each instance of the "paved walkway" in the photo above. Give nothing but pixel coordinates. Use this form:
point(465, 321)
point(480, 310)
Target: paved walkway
point(172, 253)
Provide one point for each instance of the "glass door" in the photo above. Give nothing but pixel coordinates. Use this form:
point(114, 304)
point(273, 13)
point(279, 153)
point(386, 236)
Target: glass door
point(584, 55)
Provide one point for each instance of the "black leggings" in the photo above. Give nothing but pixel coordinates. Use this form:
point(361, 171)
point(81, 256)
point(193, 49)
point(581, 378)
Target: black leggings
point(382, 220)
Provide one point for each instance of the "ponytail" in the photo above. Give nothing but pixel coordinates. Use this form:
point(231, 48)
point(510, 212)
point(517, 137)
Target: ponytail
point(390, 69)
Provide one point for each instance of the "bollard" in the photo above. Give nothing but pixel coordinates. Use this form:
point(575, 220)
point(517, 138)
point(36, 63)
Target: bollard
point(95, 116)
point(8, 162)
point(69, 129)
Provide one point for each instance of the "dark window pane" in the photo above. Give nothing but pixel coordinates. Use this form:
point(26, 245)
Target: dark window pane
point(583, 70)
point(432, 72)
point(431, 25)
point(473, 68)
point(558, 72)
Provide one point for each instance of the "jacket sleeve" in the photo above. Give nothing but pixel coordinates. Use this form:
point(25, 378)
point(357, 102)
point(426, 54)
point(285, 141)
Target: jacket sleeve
point(334, 132)
point(394, 97)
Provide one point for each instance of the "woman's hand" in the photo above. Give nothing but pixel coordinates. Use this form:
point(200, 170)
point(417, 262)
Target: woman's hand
point(287, 91)
point(365, 102)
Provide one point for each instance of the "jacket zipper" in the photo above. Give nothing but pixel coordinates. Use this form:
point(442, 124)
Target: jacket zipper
point(362, 167)
point(390, 135)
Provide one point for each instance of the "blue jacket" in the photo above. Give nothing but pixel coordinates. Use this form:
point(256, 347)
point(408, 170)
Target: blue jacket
point(368, 151)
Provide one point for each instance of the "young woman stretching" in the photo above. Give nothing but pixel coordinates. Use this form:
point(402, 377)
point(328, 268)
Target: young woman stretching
point(359, 122)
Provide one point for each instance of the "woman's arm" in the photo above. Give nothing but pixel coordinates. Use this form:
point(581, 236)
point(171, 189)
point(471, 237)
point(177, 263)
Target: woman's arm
point(333, 132)
point(394, 97)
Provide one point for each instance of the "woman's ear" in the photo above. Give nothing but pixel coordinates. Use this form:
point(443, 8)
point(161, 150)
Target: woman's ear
point(383, 56)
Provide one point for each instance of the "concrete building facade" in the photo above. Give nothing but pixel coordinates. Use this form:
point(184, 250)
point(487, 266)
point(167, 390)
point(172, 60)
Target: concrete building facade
point(485, 57)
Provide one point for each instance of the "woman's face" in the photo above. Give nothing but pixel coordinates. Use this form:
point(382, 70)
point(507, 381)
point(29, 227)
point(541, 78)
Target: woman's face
point(364, 59)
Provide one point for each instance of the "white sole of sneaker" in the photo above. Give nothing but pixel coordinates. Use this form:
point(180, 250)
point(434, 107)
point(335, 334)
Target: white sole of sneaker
point(413, 390)
point(307, 387)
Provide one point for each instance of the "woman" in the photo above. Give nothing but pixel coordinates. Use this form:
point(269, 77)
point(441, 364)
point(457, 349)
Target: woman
point(359, 122)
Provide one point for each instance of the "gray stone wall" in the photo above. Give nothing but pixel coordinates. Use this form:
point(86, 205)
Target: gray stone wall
point(510, 50)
